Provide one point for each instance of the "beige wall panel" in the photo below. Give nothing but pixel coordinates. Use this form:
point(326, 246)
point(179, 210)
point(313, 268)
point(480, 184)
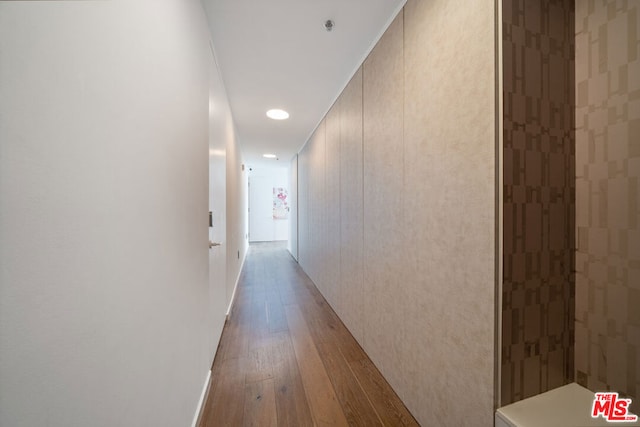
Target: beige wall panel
point(321, 149)
point(303, 208)
point(321, 239)
point(313, 214)
point(316, 207)
point(416, 172)
point(293, 206)
point(383, 203)
point(331, 236)
point(449, 208)
point(311, 203)
point(351, 295)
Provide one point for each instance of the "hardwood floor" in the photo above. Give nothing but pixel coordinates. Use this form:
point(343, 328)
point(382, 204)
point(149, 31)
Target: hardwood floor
point(286, 359)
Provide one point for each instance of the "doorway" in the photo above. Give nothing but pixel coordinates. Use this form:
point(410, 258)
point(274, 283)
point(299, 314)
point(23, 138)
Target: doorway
point(269, 204)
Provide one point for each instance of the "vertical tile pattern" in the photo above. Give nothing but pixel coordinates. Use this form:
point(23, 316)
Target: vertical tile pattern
point(539, 194)
point(383, 197)
point(608, 196)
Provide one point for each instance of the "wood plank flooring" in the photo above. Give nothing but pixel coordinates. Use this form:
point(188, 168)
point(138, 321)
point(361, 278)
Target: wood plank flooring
point(286, 359)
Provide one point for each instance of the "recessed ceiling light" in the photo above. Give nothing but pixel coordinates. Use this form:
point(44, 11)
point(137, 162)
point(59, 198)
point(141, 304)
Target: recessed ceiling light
point(277, 114)
point(270, 156)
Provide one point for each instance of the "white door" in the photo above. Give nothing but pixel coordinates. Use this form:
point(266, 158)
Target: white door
point(218, 134)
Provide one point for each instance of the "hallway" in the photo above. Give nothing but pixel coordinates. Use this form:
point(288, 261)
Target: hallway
point(286, 359)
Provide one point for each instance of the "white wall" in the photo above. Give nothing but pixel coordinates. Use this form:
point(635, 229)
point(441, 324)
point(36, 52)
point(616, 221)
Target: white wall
point(262, 226)
point(103, 213)
point(237, 215)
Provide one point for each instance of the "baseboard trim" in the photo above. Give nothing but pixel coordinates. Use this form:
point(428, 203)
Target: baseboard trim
point(235, 287)
point(203, 398)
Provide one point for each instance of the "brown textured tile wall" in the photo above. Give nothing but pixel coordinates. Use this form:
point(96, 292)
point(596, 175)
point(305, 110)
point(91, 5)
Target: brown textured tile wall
point(539, 197)
point(608, 196)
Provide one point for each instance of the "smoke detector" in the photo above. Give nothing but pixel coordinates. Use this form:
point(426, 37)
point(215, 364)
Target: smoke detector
point(329, 24)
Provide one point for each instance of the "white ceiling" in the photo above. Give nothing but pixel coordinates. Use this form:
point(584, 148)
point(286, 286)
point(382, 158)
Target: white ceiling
point(277, 54)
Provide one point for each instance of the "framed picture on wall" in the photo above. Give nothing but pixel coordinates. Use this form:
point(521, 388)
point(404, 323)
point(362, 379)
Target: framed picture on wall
point(280, 203)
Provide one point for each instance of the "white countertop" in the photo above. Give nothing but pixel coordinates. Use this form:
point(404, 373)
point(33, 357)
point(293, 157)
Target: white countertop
point(566, 406)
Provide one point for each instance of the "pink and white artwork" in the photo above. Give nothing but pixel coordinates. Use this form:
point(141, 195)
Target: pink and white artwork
point(280, 203)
